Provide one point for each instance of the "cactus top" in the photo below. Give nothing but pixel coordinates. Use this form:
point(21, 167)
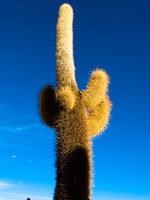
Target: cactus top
point(64, 44)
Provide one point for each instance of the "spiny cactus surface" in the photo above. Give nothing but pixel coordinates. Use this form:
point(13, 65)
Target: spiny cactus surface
point(75, 115)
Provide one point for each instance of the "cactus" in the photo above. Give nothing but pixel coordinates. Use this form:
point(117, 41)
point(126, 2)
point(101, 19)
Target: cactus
point(76, 116)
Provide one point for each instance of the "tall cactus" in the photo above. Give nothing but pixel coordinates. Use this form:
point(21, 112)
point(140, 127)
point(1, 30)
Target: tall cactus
point(76, 116)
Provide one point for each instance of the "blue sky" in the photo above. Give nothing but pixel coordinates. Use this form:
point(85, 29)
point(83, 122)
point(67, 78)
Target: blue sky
point(112, 35)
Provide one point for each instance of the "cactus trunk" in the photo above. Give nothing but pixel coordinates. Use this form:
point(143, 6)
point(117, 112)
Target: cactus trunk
point(73, 155)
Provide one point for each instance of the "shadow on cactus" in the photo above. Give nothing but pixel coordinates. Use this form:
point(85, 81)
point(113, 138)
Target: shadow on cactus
point(75, 115)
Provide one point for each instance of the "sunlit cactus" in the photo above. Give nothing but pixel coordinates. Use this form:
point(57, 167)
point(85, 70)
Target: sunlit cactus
point(66, 97)
point(96, 89)
point(99, 116)
point(75, 115)
point(96, 100)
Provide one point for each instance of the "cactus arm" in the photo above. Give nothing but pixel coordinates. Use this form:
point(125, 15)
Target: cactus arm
point(65, 68)
point(48, 106)
point(99, 117)
point(97, 101)
point(96, 88)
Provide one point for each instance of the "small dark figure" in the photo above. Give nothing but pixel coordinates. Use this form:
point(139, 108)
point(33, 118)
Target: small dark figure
point(28, 198)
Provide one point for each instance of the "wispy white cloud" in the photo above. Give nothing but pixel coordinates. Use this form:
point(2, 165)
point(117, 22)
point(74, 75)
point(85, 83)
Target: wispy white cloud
point(24, 125)
point(18, 196)
point(27, 128)
point(6, 185)
point(25, 196)
point(21, 133)
point(13, 156)
point(32, 126)
point(18, 191)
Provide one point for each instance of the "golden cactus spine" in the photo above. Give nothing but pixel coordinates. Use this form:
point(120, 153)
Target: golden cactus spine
point(75, 115)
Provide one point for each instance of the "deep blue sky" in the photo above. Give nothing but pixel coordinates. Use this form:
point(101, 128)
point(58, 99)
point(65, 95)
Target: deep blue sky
point(108, 34)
